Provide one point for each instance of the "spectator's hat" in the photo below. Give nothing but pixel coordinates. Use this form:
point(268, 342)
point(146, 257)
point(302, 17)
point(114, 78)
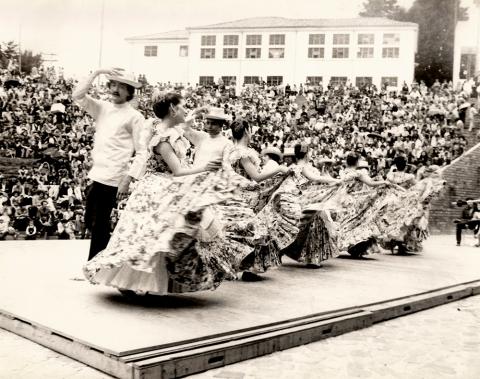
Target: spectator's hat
point(215, 113)
point(126, 78)
point(272, 150)
point(289, 152)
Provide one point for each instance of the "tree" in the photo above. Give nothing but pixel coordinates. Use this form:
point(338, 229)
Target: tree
point(8, 51)
point(436, 21)
point(383, 8)
point(30, 61)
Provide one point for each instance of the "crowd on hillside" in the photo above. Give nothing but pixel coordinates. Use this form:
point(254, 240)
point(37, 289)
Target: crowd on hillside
point(39, 121)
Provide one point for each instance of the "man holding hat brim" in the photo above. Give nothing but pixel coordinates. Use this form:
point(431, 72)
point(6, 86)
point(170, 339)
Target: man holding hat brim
point(118, 135)
point(209, 144)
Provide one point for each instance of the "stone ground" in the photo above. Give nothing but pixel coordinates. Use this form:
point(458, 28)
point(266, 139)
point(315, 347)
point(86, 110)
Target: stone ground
point(442, 342)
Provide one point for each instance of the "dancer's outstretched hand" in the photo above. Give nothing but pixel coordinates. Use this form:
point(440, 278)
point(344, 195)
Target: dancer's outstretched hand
point(112, 71)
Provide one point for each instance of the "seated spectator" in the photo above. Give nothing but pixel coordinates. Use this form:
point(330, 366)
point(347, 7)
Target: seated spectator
point(5, 226)
point(466, 221)
point(31, 231)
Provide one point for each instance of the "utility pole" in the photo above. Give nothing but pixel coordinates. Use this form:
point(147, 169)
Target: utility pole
point(101, 38)
point(20, 48)
point(101, 34)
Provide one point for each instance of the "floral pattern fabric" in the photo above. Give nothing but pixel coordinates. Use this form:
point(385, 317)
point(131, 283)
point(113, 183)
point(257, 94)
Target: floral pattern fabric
point(403, 216)
point(242, 223)
point(166, 238)
point(353, 208)
point(304, 237)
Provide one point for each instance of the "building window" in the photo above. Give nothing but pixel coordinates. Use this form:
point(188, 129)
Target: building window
point(389, 81)
point(254, 39)
point(209, 40)
point(207, 53)
point(230, 40)
point(341, 39)
point(277, 39)
point(150, 51)
point(340, 52)
point(391, 38)
point(361, 81)
point(316, 52)
point(183, 51)
point(230, 53)
point(314, 80)
point(390, 52)
point(229, 80)
point(206, 81)
point(337, 80)
point(253, 52)
point(316, 39)
point(276, 53)
point(274, 80)
point(366, 39)
point(365, 52)
point(251, 80)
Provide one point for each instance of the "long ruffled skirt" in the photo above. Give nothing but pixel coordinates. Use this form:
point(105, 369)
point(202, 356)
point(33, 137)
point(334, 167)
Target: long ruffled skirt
point(167, 239)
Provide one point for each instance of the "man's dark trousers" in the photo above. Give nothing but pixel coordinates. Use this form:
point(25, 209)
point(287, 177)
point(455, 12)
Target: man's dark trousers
point(100, 200)
point(465, 224)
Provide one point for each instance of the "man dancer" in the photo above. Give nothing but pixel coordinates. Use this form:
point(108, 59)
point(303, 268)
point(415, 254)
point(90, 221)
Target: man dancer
point(118, 133)
point(210, 143)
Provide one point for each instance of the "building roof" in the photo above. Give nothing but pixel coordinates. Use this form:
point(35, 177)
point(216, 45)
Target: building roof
point(282, 22)
point(175, 34)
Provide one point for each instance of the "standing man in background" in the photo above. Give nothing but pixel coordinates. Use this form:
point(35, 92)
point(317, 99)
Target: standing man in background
point(118, 134)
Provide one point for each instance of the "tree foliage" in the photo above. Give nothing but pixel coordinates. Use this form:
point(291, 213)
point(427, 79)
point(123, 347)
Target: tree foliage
point(29, 61)
point(381, 8)
point(8, 52)
point(436, 21)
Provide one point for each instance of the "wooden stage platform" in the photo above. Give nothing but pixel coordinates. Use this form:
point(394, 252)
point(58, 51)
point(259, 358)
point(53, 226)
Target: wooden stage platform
point(42, 299)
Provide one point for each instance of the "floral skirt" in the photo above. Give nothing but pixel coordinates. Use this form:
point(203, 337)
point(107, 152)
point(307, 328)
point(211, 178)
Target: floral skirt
point(247, 231)
point(316, 240)
point(354, 213)
point(162, 241)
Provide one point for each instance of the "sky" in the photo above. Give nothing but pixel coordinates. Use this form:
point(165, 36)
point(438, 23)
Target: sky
point(71, 28)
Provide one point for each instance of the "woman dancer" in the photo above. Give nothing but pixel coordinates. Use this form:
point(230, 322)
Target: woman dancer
point(314, 242)
point(240, 213)
point(162, 241)
point(353, 206)
point(403, 215)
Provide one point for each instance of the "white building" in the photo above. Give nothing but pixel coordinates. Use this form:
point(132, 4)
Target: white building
point(281, 51)
point(161, 57)
point(466, 59)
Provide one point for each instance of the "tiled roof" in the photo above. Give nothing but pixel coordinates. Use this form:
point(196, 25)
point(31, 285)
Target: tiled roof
point(175, 34)
point(281, 22)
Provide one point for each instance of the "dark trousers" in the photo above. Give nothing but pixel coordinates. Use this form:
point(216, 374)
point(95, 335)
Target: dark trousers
point(100, 200)
point(472, 225)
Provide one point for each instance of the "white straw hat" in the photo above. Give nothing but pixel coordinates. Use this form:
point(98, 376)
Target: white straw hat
point(126, 78)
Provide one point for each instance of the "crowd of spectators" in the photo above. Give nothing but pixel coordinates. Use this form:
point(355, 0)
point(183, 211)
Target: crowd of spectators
point(40, 122)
